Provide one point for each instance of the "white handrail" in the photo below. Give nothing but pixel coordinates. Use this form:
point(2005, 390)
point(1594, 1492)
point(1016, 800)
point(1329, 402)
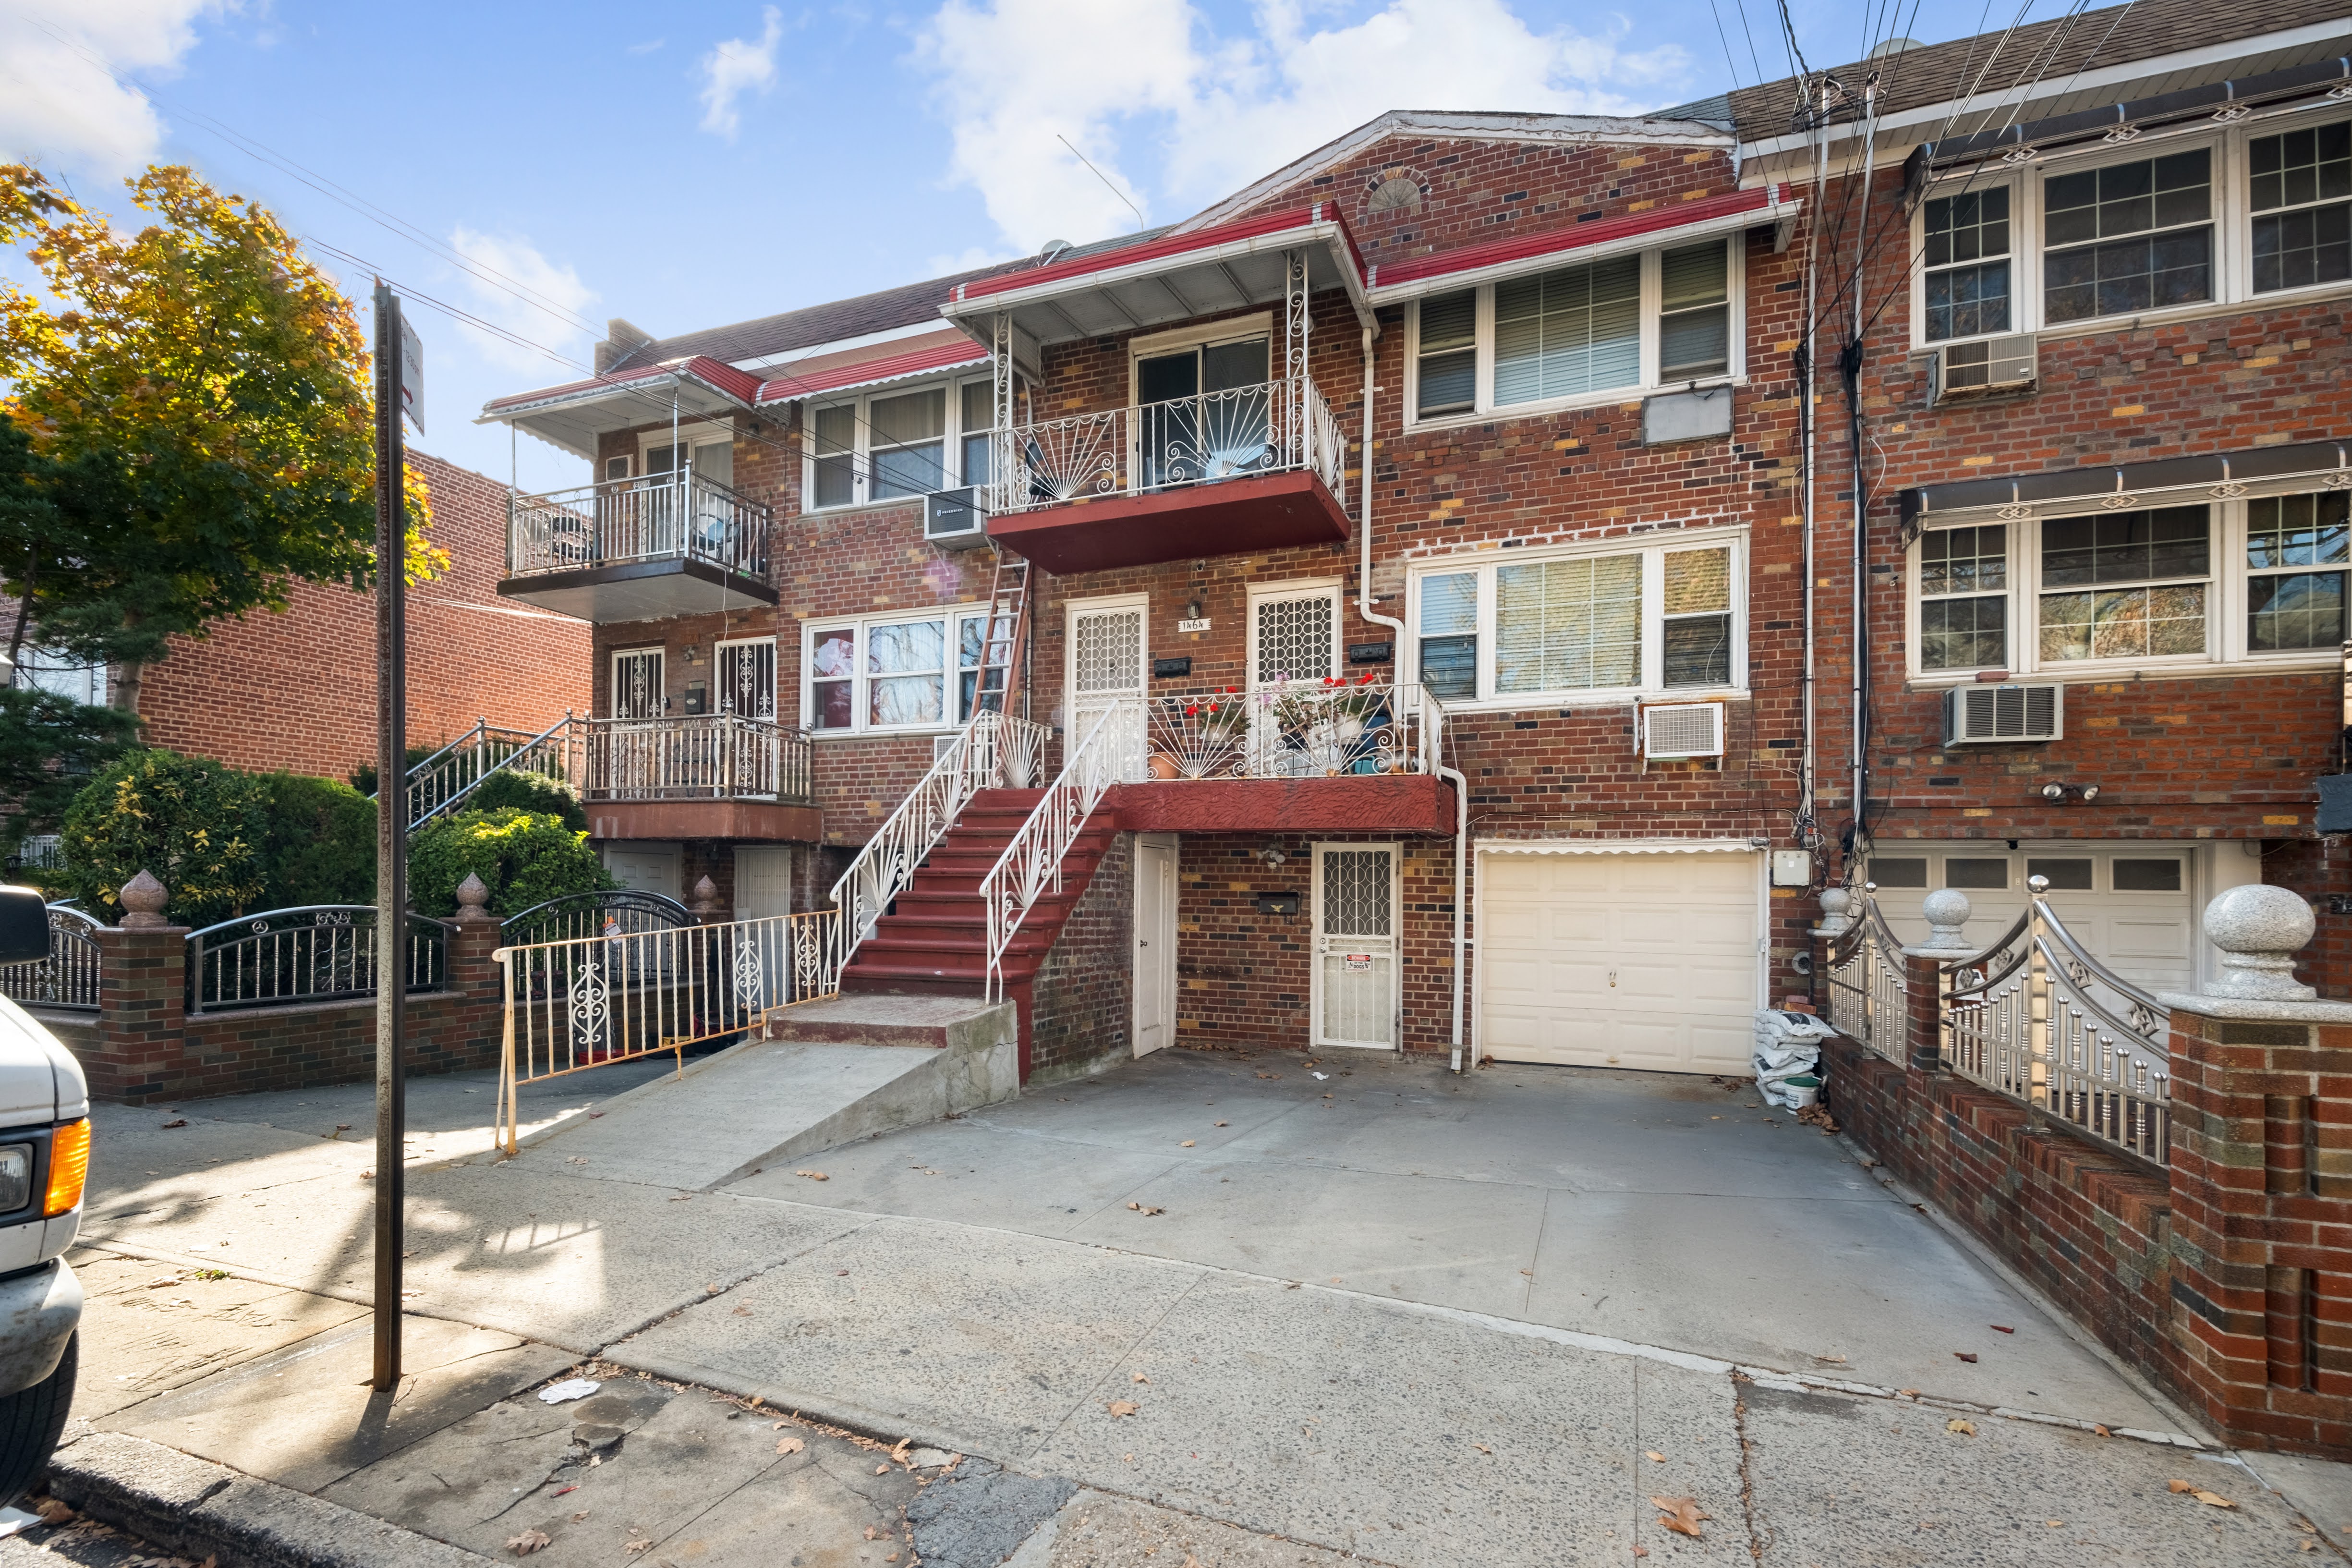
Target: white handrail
point(1032, 864)
point(438, 783)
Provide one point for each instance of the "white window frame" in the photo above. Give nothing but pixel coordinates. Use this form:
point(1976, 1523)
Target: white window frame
point(660, 653)
point(861, 702)
point(2234, 225)
point(952, 434)
point(693, 437)
point(1327, 588)
point(1233, 330)
point(2226, 601)
point(1484, 410)
point(1651, 688)
point(717, 659)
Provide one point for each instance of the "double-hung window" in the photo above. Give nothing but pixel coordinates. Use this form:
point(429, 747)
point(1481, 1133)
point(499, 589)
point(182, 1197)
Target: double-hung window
point(2126, 584)
point(2295, 558)
point(2299, 185)
point(1582, 334)
point(1966, 260)
point(893, 444)
point(896, 672)
point(2127, 237)
point(1571, 624)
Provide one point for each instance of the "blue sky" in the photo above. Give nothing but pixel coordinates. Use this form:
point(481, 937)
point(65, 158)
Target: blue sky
point(685, 165)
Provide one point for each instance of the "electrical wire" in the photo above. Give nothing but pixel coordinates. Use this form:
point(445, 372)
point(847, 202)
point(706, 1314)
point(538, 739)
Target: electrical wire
point(1729, 63)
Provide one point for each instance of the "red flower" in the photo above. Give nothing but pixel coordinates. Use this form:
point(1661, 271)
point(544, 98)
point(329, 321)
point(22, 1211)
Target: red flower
point(1368, 679)
point(1191, 711)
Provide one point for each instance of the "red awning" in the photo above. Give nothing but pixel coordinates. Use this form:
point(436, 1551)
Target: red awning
point(1767, 203)
point(1229, 517)
point(872, 373)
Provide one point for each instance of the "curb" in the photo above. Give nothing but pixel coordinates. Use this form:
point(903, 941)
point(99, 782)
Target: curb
point(194, 1508)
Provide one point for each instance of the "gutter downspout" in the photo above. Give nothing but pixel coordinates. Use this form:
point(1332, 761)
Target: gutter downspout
point(1450, 775)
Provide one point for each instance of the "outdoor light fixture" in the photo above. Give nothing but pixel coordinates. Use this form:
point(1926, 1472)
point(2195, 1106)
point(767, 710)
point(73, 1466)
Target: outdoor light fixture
point(1273, 856)
point(1192, 610)
point(2059, 792)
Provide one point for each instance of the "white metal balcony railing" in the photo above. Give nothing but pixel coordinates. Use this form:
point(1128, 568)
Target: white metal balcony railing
point(709, 756)
point(1271, 427)
point(1285, 730)
point(655, 518)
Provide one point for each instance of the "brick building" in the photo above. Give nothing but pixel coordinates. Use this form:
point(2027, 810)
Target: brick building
point(296, 690)
point(1430, 521)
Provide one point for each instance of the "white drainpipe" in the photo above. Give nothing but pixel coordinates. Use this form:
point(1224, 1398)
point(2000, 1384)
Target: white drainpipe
point(1364, 608)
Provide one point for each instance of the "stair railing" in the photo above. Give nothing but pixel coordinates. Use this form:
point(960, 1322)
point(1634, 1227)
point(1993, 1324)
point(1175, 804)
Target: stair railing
point(441, 781)
point(995, 749)
point(1031, 866)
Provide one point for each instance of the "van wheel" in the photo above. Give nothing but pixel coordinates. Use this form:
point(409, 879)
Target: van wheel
point(31, 1422)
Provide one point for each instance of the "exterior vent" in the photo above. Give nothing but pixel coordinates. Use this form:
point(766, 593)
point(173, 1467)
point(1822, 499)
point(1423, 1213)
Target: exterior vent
point(1974, 715)
point(1675, 730)
point(953, 519)
point(1983, 369)
point(940, 744)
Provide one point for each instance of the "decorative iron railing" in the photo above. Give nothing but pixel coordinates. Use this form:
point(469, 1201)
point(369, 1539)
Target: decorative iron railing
point(40, 852)
point(623, 911)
point(996, 750)
point(655, 517)
point(67, 977)
point(440, 782)
point(1031, 866)
point(317, 952)
point(706, 756)
point(1270, 427)
point(2035, 1018)
point(1869, 997)
point(591, 1001)
point(1289, 730)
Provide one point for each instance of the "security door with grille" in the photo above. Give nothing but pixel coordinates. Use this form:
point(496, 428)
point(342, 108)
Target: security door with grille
point(1355, 985)
point(1107, 670)
point(1294, 639)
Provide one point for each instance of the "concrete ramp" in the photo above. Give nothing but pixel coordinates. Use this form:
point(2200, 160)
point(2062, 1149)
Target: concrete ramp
point(769, 1102)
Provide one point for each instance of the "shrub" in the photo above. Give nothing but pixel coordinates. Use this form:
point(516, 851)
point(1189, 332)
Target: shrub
point(530, 792)
point(525, 859)
point(362, 777)
point(321, 843)
point(200, 827)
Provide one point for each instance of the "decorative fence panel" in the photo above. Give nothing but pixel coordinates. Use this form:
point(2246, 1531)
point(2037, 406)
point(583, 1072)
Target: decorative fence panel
point(623, 911)
point(1869, 999)
point(1292, 728)
point(318, 953)
point(67, 977)
point(709, 757)
point(653, 517)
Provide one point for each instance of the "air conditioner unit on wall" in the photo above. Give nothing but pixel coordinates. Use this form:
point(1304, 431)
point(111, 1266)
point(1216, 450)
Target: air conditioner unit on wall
point(1978, 715)
point(1672, 731)
point(954, 519)
point(1983, 368)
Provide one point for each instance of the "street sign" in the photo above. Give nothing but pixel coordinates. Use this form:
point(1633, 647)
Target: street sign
point(412, 375)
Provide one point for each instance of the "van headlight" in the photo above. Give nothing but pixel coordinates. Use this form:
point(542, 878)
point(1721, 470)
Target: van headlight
point(15, 1176)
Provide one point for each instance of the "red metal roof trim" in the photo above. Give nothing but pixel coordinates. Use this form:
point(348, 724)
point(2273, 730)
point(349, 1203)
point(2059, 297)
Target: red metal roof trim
point(717, 375)
point(1582, 237)
point(890, 367)
point(1170, 246)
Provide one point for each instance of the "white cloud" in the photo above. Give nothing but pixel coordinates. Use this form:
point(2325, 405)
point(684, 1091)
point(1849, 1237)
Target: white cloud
point(61, 103)
point(557, 293)
point(1214, 112)
point(648, 47)
point(735, 68)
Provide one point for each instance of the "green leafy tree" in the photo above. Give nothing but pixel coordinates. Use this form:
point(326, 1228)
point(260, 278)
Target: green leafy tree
point(524, 858)
point(320, 847)
point(200, 827)
point(50, 747)
point(530, 792)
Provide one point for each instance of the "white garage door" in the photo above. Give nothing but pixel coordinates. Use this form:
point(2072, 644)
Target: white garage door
point(1618, 959)
point(2132, 904)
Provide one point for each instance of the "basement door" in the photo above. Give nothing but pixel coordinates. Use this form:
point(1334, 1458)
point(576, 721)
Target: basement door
point(1155, 942)
point(1355, 994)
point(1106, 670)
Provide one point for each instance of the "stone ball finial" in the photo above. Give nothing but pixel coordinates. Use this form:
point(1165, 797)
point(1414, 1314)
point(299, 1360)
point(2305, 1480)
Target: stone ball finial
point(142, 900)
point(705, 896)
point(1948, 911)
point(1837, 918)
point(2259, 928)
point(473, 894)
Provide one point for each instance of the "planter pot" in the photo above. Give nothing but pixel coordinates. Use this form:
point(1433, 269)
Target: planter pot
point(1164, 767)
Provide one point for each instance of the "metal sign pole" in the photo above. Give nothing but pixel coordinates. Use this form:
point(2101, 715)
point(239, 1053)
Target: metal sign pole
point(391, 837)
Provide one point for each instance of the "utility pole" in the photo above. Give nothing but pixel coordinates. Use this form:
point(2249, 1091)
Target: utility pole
point(394, 347)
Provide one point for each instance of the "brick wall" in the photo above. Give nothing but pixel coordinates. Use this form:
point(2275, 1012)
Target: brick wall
point(1081, 1002)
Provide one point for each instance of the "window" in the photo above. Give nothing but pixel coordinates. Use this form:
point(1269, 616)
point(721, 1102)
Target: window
point(890, 672)
point(833, 434)
point(1976, 874)
point(2128, 238)
point(637, 687)
point(2298, 185)
point(2067, 876)
point(910, 443)
point(1516, 632)
point(895, 444)
point(2130, 585)
point(1583, 333)
point(978, 422)
point(711, 457)
point(1964, 599)
point(1898, 873)
point(2288, 604)
point(60, 675)
point(1966, 261)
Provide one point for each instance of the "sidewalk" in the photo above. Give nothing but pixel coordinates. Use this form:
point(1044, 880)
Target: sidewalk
point(1331, 1360)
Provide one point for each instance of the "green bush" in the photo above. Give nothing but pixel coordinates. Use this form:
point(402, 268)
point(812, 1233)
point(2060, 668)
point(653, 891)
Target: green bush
point(530, 792)
point(362, 777)
point(524, 858)
point(321, 843)
point(203, 829)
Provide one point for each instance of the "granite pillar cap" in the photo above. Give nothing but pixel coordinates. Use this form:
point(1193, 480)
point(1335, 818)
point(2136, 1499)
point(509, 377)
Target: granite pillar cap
point(2259, 928)
point(142, 899)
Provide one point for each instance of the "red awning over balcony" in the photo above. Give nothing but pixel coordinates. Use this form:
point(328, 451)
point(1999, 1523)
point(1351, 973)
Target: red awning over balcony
point(1228, 517)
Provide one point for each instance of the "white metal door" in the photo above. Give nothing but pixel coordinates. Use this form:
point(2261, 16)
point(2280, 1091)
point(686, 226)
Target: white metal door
point(646, 868)
point(1355, 984)
point(1155, 941)
point(1626, 960)
point(637, 683)
point(763, 882)
point(747, 678)
point(1108, 669)
point(1294, 639)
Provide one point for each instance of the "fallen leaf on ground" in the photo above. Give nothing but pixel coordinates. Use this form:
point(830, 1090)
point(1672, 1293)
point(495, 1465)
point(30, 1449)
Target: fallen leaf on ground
point(1908, 1393)
point(2001, 1329)
point(639, 1543)
point(1482, 1448)
point(580, 1515)
point(681, 1197)
point(814, 1176)
point(1832, 1360)
point(1187, 1143)
point(1641, 1552)
point(1962, 1424)
point(1528, 1272)
point(1224, 1124)
point(881, 1470)
point(742, 1311)
point(2210, 1500)
point(794, 1446)
point(52, 1511)
point(1969, 1356)
point(1679, 1514)
point(1118, 1407)
point(2055, 1523)
point(529, 1541)
point(2101, 1430)
point(1140, 1378)
point(1654, 1456)
point(872, 1533)
point(179, 1121)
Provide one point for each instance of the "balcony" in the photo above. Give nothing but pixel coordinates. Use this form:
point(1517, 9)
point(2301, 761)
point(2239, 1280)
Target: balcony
point(1218, 473)
point(714, 776)
point(637, 550)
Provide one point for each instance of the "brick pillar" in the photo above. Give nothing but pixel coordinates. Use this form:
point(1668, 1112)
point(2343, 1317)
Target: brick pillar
point(1947, 912)
point(143, 1001)
point(2261, 1173)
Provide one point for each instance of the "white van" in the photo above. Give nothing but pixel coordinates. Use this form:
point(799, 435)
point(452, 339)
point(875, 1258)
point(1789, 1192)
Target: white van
point(44, 1163)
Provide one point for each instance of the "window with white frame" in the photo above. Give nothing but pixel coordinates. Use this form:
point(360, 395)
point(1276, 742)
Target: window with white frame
point(893, 443)
point(59, 674)
point(2182, 221)
point(1566, 624)
point(1569, 334)
point(2151, 588)
point(893, 672)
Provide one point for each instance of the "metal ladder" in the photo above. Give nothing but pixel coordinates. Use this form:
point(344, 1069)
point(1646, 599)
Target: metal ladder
point(1005, 639)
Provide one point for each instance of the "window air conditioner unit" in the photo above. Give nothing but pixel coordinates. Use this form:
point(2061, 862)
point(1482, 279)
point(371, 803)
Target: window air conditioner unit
point(953, 519)
point(1975, 715)
point(1983, 368)
point(1674, 731)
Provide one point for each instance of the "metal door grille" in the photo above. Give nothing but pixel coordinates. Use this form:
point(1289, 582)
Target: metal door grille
point(1294, 639)
point(637, 684)
point(1356, 888)
point(1107, 653)
point(746, 679)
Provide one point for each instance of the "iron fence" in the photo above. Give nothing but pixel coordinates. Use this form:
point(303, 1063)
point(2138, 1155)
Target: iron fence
point(651, 518)
point(67, 977)
point(1869, 996)
point(624, 911)
point(317, 952)
point(704, 757)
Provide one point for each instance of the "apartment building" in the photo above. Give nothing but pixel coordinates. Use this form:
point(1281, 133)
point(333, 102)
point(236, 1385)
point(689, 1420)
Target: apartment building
point(1415, 549)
